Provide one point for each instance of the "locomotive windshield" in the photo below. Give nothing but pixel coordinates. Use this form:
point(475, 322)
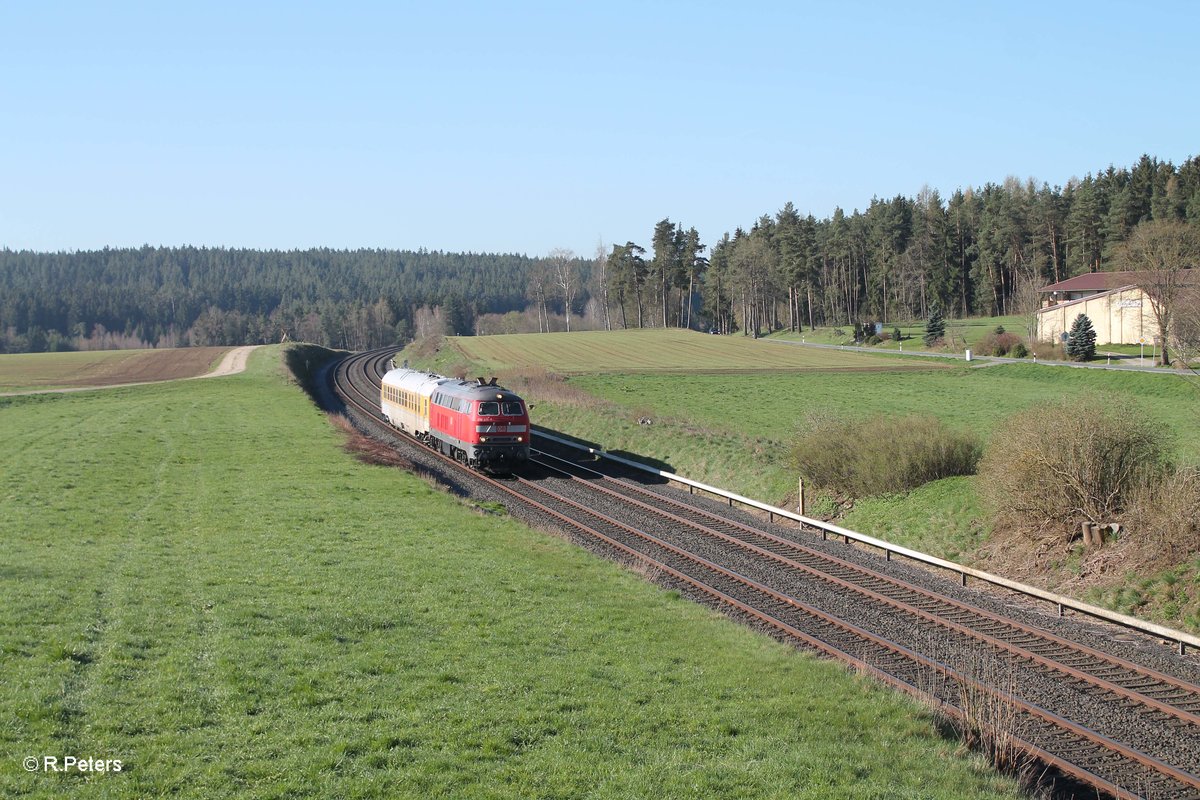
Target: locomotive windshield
point(512, 409)
point(489, 409)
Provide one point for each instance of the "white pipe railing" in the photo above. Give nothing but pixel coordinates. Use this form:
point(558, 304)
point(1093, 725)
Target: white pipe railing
point(1062, 602)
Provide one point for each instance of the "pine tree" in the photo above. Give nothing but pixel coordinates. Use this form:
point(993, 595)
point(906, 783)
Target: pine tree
point(1081, 341)
point(935, 326)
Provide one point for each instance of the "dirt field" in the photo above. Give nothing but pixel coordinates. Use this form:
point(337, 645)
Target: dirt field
point(25, 372)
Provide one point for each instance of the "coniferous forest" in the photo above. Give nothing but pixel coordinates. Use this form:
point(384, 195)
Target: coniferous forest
point(981, 251)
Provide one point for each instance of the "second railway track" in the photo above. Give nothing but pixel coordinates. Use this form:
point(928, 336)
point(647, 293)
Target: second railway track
point(1127, 729)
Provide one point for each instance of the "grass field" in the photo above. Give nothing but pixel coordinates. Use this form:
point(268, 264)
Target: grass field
point(771, 405)
point(666, 351)
point(959, 332)
point(198, 582)
point(733, 430)
point(25, 372)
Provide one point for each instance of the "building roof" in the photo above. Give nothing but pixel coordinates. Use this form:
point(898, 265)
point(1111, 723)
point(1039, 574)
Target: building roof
point(1090, 298)
point(1104, 281)
point(1093, 282)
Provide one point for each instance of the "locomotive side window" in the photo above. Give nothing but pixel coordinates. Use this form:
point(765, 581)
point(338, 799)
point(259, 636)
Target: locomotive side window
point(489, 409)
point(512, 409)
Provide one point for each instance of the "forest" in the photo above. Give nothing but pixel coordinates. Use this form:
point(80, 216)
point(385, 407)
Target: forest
point(982, 251)
point(181, 296)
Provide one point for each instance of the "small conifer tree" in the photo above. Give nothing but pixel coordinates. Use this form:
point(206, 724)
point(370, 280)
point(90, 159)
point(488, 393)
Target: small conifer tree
point(1081, 341)
point(935, 326)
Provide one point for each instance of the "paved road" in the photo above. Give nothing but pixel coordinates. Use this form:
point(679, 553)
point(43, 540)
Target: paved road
point(985, 361)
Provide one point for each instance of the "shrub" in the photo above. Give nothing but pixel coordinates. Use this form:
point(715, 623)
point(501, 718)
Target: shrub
point(1072, 461)
point(1019, 350)
point(1163, 511)
point(1044, 350)
point(997, 344)
point(873, 339)
point(896, 335)
point(881, 454)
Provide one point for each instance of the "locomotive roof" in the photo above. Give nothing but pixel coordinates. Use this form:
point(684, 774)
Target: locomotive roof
point(429, 382)
point(473, 390)
point(412, 377)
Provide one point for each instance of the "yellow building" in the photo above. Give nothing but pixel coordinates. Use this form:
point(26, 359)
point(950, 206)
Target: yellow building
point(1120, 314)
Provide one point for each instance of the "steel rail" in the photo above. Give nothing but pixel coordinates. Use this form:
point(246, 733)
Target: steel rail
point(1182, 710)
point(824, 618)
point(1068, 767)
point(1179, 638)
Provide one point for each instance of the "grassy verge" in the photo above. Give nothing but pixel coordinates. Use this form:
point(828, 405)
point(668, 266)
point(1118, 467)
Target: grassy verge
point(1172, 595)
point(199, 582)
point(943, 518)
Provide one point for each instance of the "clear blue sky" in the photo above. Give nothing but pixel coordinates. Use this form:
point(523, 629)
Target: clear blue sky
point(520, 127)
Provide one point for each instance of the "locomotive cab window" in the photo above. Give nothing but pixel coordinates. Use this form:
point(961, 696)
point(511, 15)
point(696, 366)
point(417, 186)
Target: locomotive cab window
point(512, 409)
point(489, 409)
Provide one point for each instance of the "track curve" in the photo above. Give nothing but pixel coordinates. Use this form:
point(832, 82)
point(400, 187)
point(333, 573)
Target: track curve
point(1141, 732)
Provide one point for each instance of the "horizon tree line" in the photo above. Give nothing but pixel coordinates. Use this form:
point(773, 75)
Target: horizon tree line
point(982, 251)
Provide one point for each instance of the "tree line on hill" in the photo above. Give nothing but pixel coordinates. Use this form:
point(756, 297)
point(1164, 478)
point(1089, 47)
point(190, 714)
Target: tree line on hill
point(981, 252)
point(178, 296)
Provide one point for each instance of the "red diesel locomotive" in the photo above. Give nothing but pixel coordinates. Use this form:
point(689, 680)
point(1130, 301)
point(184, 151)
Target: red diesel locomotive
point(483, 425)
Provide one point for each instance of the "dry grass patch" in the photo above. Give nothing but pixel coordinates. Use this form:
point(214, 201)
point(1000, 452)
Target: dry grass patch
point(366, 449)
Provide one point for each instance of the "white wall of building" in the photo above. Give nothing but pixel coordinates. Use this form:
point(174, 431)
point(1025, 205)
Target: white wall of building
point(1121, 316)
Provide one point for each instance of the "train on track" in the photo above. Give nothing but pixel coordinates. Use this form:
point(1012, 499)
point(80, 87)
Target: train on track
point(483, 425)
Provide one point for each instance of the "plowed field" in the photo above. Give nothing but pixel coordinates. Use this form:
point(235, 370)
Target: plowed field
point(35, 371)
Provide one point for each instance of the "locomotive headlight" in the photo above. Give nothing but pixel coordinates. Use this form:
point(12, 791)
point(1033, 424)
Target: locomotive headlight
point(483, 438)
point(520, 438)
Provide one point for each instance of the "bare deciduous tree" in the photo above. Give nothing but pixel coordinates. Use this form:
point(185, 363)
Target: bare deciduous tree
point(536, 291)
point(563, 269)
point(600, 271)
point(1186, 325)
point(1026, 302)
point(1163, 251)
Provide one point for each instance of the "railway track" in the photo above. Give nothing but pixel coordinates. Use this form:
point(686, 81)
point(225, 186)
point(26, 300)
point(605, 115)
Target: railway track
point(1105, 720)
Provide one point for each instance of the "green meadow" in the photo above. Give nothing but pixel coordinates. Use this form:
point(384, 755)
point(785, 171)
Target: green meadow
point(198, 582)
point(734, 431)
point(974, 398)
point(670, 350)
